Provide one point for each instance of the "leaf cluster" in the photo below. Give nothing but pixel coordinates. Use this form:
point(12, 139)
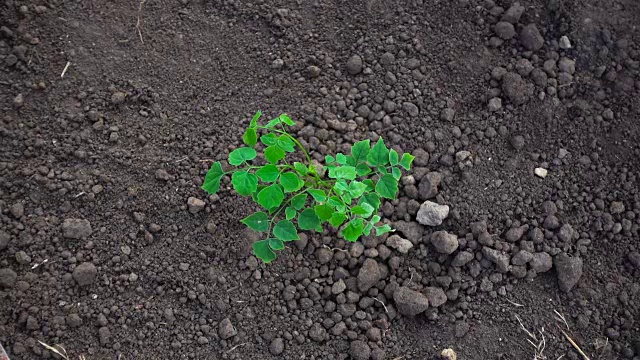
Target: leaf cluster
point(295, 196)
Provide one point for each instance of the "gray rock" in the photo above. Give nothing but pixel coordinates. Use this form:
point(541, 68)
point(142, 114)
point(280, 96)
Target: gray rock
point(325, 255)
point(500, 259)
point(104, 335)
point(359, 350)
point(521, 258)
point(118, 98)
point(524, 67)
point(17, 210)
point(410, 229)
point(566, 233)
point(162, 174)
point(432, 214)
point(517, 90)
point(8, 278)
point(505, 30)
point(398, 243)
point(85, 273)
point(338, 287)
point(530, 38)
point(354, 65)
point(428, 187)
point(634, 259)
point(368, 275)
point(422, 157)
point(313, 71)
point(436, 296)
point(569, 271)
point(195, 205)
point(495, 104)
point(277, 346)
point(518, 143)
point(513, 13)
point(444, 242)
point(567, 65)
point(541, 262)
point(4, 240)
point(73, 320)
point(409, 302)
point(462, 259)
point(76, 228)
point(447, 114)
point(317, 333)
point(226, 329)
point(411, 109)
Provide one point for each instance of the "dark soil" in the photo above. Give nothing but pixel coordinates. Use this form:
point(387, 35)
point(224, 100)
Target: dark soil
point(100, 253)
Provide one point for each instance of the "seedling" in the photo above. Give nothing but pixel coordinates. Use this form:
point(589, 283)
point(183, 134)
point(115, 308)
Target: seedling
point(345, 192)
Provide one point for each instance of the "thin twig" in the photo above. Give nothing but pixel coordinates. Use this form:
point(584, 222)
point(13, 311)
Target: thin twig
point(235, 347)
point(561, 318)
point(575, 346)
point(383, 305)
point(138, 22)
point(333, 249)
point(64, 71)
point(513, 303)
point(539, 345)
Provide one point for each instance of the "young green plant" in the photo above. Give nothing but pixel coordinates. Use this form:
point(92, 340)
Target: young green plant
point(345, 192)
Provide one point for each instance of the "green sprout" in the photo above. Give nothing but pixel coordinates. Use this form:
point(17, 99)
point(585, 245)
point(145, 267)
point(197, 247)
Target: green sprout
point(347, 197)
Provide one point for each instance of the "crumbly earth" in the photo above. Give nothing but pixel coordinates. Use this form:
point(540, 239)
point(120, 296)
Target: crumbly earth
point(524, 118)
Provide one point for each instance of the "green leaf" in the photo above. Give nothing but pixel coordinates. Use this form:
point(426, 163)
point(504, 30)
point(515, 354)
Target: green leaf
point(300, 168)
point(369, 183)
point(318, 195)
point(375, 219)
point(289, 213)
point(268, 173)
point(257, 221)
point(337, 219)
point(359, 152)
point(254, 121)
point(346, 198)
point(298, 201)
point(273, 122)
point(324, 211)
point(362, 169)
point(371, 198)
point(308, 220)
point(269, 139)
point(329, 159)
point(393, 157)
point(240, 155)
point(211, 182)
point(365, 210)
point(270, 197)
point(276, 244)
point(250, 137)
point(353, 230)
point(337, 204)
point(244, 182)
point(379, 154)
point(285, 231)
point(356, 189)
point(273, 154)
point(263, 251)
point(397, 173)
point(341, 186)
point(406, 161)
point(383, 229)
point(254, 196)
point(343, 172)
point(290, 182)
point(285, 143)
point(287, 120)
point(341, 159)
point(367, 229)
point(387, 186)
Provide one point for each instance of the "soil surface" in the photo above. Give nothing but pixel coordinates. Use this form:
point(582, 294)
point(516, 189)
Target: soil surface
point(524, 119)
